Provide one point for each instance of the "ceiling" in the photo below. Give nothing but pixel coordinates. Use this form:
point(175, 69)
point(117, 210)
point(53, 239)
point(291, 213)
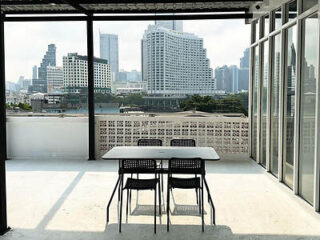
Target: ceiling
point(123, 6)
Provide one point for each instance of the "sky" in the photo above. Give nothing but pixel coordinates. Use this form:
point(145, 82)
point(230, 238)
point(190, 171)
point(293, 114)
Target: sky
point(26, 43)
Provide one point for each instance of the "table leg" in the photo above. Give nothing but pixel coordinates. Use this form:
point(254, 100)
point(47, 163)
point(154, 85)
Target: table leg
point(211, 202)
point(113, 192)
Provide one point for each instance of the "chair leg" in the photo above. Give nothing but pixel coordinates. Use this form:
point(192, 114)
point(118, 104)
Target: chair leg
point(160, 206)
point(197, 194)
point(168, 205)
point(155, 210)
point(199, 197)
point(127, 207)
point(120, 219)
point(202, 208)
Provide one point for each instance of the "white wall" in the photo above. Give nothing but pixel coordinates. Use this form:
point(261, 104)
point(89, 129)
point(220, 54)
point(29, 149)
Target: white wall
point(40, 137)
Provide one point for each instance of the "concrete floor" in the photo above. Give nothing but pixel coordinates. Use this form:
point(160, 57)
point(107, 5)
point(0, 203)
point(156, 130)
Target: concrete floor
point(66, 199)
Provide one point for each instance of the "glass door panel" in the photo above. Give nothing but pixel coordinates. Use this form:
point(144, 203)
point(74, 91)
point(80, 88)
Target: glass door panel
point(289, 108)
point(275, 94)
point(264, 98)
point(309, 78)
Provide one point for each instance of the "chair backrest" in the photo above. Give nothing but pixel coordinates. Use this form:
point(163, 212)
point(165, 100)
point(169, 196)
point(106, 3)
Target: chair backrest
point(183, 142)
point(138, 166)
point(149, 142)
point(186, 166)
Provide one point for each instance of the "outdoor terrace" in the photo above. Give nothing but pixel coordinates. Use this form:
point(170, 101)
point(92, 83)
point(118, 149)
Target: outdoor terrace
point(66, 199)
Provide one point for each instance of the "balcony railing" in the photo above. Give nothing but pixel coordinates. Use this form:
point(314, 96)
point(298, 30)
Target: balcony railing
point(54, 136)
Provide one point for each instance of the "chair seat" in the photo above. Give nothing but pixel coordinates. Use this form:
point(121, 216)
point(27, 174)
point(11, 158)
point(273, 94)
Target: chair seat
point(141, 184)
point(184, 183)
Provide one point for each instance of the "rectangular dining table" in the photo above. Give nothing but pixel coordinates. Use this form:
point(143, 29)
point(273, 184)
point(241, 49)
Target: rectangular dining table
point(162, 153)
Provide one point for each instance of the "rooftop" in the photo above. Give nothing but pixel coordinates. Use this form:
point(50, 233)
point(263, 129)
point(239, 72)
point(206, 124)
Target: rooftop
point(66, 199)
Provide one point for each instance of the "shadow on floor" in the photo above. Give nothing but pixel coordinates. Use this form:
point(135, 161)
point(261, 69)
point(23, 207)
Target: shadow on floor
point(145, 232)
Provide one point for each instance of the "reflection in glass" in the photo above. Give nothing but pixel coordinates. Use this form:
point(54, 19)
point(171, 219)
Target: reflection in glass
point(264, 98)
point(266, 25)
point(292, 10)
point(307, 4)
point(309, 78)
point(278, 18)
point(275, 93)
point(257, 30)
point(255, 102)
point(289, 109)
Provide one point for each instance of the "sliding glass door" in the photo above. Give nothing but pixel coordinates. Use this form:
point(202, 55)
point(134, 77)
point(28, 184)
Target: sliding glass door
point(255, 88)
point(264, 100)
point(289, 102)
point(275, 100)
point(309, 78)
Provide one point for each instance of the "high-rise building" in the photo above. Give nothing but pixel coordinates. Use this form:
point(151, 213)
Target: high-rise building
point(125, 76)
point(223, 78)
point(109, 50)
point(245, 60)
point(235, 79)
point(244, 71)
point(175, 63)
point(175, 25)
point(49, 59)
point(34, 72)
point(54, 78)
point(75, 70)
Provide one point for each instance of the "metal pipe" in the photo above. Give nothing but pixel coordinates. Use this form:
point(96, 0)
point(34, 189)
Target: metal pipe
point(90, 52)
point(3, 137)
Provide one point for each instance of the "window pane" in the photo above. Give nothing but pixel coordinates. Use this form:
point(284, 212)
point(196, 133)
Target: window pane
point(278, 18)
point(307, 4)
point(289, 110)
point(264, 96)
point(257, 30)
point(292, 10)
point(275, 93)
point(309, 79)
point(255, 102)
point(266, 25)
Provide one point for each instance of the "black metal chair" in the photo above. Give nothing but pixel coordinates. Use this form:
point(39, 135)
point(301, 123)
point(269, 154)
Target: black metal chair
point(151, 142)
point(136, 167)
point(185, 143)
point(186, 166)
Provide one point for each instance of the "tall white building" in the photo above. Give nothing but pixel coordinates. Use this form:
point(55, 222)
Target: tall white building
point(109, 50)
point(54, 78)
point(175, 63)
point(75, 69)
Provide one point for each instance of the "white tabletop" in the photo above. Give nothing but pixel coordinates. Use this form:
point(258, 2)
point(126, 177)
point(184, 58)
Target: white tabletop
point(161, 153)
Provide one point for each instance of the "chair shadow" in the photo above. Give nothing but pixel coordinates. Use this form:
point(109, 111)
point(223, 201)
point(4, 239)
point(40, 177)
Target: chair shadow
point(186, 210)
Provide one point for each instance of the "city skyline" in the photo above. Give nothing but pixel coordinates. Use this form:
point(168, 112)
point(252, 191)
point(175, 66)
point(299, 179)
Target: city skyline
point(217, 41)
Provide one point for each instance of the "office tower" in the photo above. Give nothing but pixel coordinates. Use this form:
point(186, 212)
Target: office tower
point(49, 59)
point(125, 76)
point(54, 78)
point(76, 74)
point(235, 79)
point(34, 72)
point(245, 60)
point(109, 50)
point(175, 63)
point(224, 78)
point(244, 71)
point(175, 25)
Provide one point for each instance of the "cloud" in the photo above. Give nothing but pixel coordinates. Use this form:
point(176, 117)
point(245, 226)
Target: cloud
point(26, 43)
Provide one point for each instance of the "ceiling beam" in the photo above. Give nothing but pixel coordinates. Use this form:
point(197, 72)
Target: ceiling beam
point(79, 2)
point(130, 18)
point(134, 11)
